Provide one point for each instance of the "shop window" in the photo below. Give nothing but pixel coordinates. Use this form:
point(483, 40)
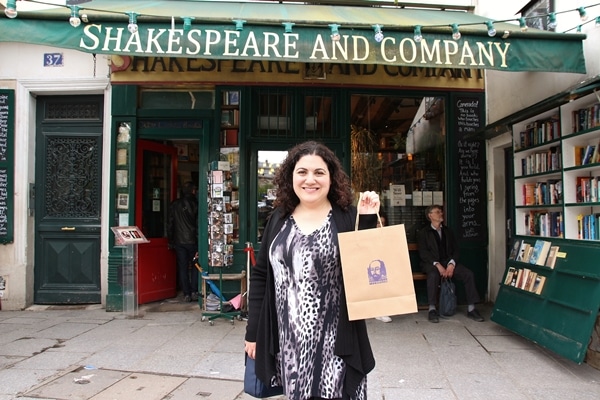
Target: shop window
point(177, 99)
point(398, 149)
point(274, 112)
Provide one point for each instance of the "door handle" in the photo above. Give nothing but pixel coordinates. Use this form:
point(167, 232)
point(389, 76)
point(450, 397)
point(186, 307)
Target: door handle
point(67, 228)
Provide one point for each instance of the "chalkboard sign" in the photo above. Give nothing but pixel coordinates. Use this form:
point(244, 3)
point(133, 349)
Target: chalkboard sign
point(470, 169)
point(6, 165)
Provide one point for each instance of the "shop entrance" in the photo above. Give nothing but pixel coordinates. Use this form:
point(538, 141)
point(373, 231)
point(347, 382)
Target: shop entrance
point(156, 172)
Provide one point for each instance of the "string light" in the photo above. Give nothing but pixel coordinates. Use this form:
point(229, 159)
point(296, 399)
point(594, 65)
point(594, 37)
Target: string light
point(417, 35)
point(523, 24)
point(335, 33)
point(132, 27)
point(552, 21)
point(455, 32)
point(582, 14)
point(11, 9)
point(288, 26)
point(490, 27)
point(75, 21)
point(378, 33)
point(239, 24)
point(187, 23)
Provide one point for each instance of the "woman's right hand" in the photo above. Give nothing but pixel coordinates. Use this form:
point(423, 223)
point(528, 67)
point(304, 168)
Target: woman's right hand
point(250, 348)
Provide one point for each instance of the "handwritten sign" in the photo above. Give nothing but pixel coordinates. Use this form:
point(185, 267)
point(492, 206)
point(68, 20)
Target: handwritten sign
point(470, 169)
point(6, 165)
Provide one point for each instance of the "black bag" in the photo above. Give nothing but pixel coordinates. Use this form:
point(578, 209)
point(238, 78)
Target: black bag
point(254, 386)
point(447, 298)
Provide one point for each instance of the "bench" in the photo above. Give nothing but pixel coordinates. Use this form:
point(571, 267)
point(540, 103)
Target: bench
point(417, 275)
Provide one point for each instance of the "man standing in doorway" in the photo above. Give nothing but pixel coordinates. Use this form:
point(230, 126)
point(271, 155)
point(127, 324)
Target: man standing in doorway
point(183, 238)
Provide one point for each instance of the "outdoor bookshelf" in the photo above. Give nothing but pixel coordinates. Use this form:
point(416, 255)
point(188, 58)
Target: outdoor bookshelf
point(556, 172)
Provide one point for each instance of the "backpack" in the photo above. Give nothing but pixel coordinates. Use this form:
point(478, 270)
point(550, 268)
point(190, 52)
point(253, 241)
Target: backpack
point(447, 298)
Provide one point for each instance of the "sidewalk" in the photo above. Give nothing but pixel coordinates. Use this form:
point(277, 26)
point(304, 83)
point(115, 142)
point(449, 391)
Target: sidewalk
point(88, 353)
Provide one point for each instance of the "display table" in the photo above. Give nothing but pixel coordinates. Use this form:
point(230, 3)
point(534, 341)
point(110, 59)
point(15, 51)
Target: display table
point(218, 279)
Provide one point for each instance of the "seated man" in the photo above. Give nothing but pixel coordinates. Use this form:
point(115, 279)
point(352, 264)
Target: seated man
point(439, 258)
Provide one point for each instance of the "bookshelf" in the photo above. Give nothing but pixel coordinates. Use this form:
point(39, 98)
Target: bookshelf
point(553, 297)
point(230, 118)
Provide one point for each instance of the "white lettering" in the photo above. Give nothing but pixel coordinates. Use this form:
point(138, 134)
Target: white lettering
point(175, 41)
point(290, 44)
point(87, 31)
point(502, 53)
point(343, 49)
point(319, 47)
point(193, 41)
point(209, 34)
point(487, 54)
point(271, 44)
point(467, 53)
point(365, 42)
point(116, 39)
point(231, 38)
point(154, 40)
point(382, 47)
point(404, 51)
point(431, 54)
point(451, 48)
point(251, 44)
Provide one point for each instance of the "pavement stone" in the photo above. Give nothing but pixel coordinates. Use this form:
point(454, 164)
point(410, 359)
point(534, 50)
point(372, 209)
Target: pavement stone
point(168, 353)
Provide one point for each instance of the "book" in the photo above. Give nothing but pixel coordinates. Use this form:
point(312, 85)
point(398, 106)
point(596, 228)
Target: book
point(538, 285)
point(522, 251)
point(551, 259)
point(509, 275)
point(587, 155)
point(516, 246)
point(540, 252)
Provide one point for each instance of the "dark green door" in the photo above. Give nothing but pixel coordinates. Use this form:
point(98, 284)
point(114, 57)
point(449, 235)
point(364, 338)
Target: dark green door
point(68, 186)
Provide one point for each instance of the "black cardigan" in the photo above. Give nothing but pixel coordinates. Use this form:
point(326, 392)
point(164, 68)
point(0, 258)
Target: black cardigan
point(352, 343)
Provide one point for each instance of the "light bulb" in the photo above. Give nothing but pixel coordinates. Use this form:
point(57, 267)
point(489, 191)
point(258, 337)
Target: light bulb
point(582, 14)
point(417, 34)
point(335, 34)
point(75, 21)
point(378, 33)
point(491, 29)
point(523, 24)
point(132, 27)
point(552, 21)
point(11, 9)
point(287, 26)
point(455, 32)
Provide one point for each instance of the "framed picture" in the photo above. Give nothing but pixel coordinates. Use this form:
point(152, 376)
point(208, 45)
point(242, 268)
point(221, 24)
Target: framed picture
point(128, 235)
point(122, 201)
point(122, 180)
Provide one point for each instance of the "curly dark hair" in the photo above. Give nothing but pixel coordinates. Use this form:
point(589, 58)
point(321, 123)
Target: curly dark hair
point(340, 192)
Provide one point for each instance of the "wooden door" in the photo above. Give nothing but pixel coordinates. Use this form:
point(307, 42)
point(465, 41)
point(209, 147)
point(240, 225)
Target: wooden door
point(68, 188)
point(156, 171)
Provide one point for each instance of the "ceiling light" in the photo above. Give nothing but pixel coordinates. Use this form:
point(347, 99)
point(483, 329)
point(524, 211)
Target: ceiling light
point(335, 33)
point(455, 32)
point(133, 26)
point(75, 21)
point(491, 29)
point(378, 33)
point(417, 34)
point(11, 9)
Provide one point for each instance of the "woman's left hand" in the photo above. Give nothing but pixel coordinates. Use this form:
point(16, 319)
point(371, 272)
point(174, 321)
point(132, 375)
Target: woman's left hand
point(369, 203)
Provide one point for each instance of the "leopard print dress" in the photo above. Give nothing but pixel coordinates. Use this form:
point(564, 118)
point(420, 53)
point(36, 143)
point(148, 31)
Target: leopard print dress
point(308, 284)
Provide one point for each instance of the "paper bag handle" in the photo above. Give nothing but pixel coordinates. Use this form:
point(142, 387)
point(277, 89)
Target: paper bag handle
point(357, 206)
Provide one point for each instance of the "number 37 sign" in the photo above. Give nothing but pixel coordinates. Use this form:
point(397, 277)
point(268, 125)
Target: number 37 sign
point(53, 60)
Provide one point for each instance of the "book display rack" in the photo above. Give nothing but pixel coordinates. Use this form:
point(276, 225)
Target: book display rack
point(550, 292)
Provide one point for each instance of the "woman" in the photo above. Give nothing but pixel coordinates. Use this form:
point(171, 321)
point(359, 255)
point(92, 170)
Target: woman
point(298, 328)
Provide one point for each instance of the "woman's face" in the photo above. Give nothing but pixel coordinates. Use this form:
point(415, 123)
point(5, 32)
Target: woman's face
point(311, 180)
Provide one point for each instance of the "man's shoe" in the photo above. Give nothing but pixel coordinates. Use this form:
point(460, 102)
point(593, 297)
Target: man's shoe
point(475, 316)
point(434, 316)
point(187, 299)
point(384, 319)
point(194, 296)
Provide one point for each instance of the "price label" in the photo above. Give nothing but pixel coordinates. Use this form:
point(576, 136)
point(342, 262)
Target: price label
point(53, 60)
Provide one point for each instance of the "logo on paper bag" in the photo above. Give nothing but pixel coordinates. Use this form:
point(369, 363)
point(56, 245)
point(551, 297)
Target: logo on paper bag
point(377, 273)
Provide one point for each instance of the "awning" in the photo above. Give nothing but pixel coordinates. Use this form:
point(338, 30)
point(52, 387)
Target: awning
point(262, 36)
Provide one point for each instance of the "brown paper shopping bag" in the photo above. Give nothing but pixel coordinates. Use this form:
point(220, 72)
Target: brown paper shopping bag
point(377, 274)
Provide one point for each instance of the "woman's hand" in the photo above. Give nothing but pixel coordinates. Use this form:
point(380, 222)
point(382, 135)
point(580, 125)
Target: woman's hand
point(369, 203)
point(250, 348)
